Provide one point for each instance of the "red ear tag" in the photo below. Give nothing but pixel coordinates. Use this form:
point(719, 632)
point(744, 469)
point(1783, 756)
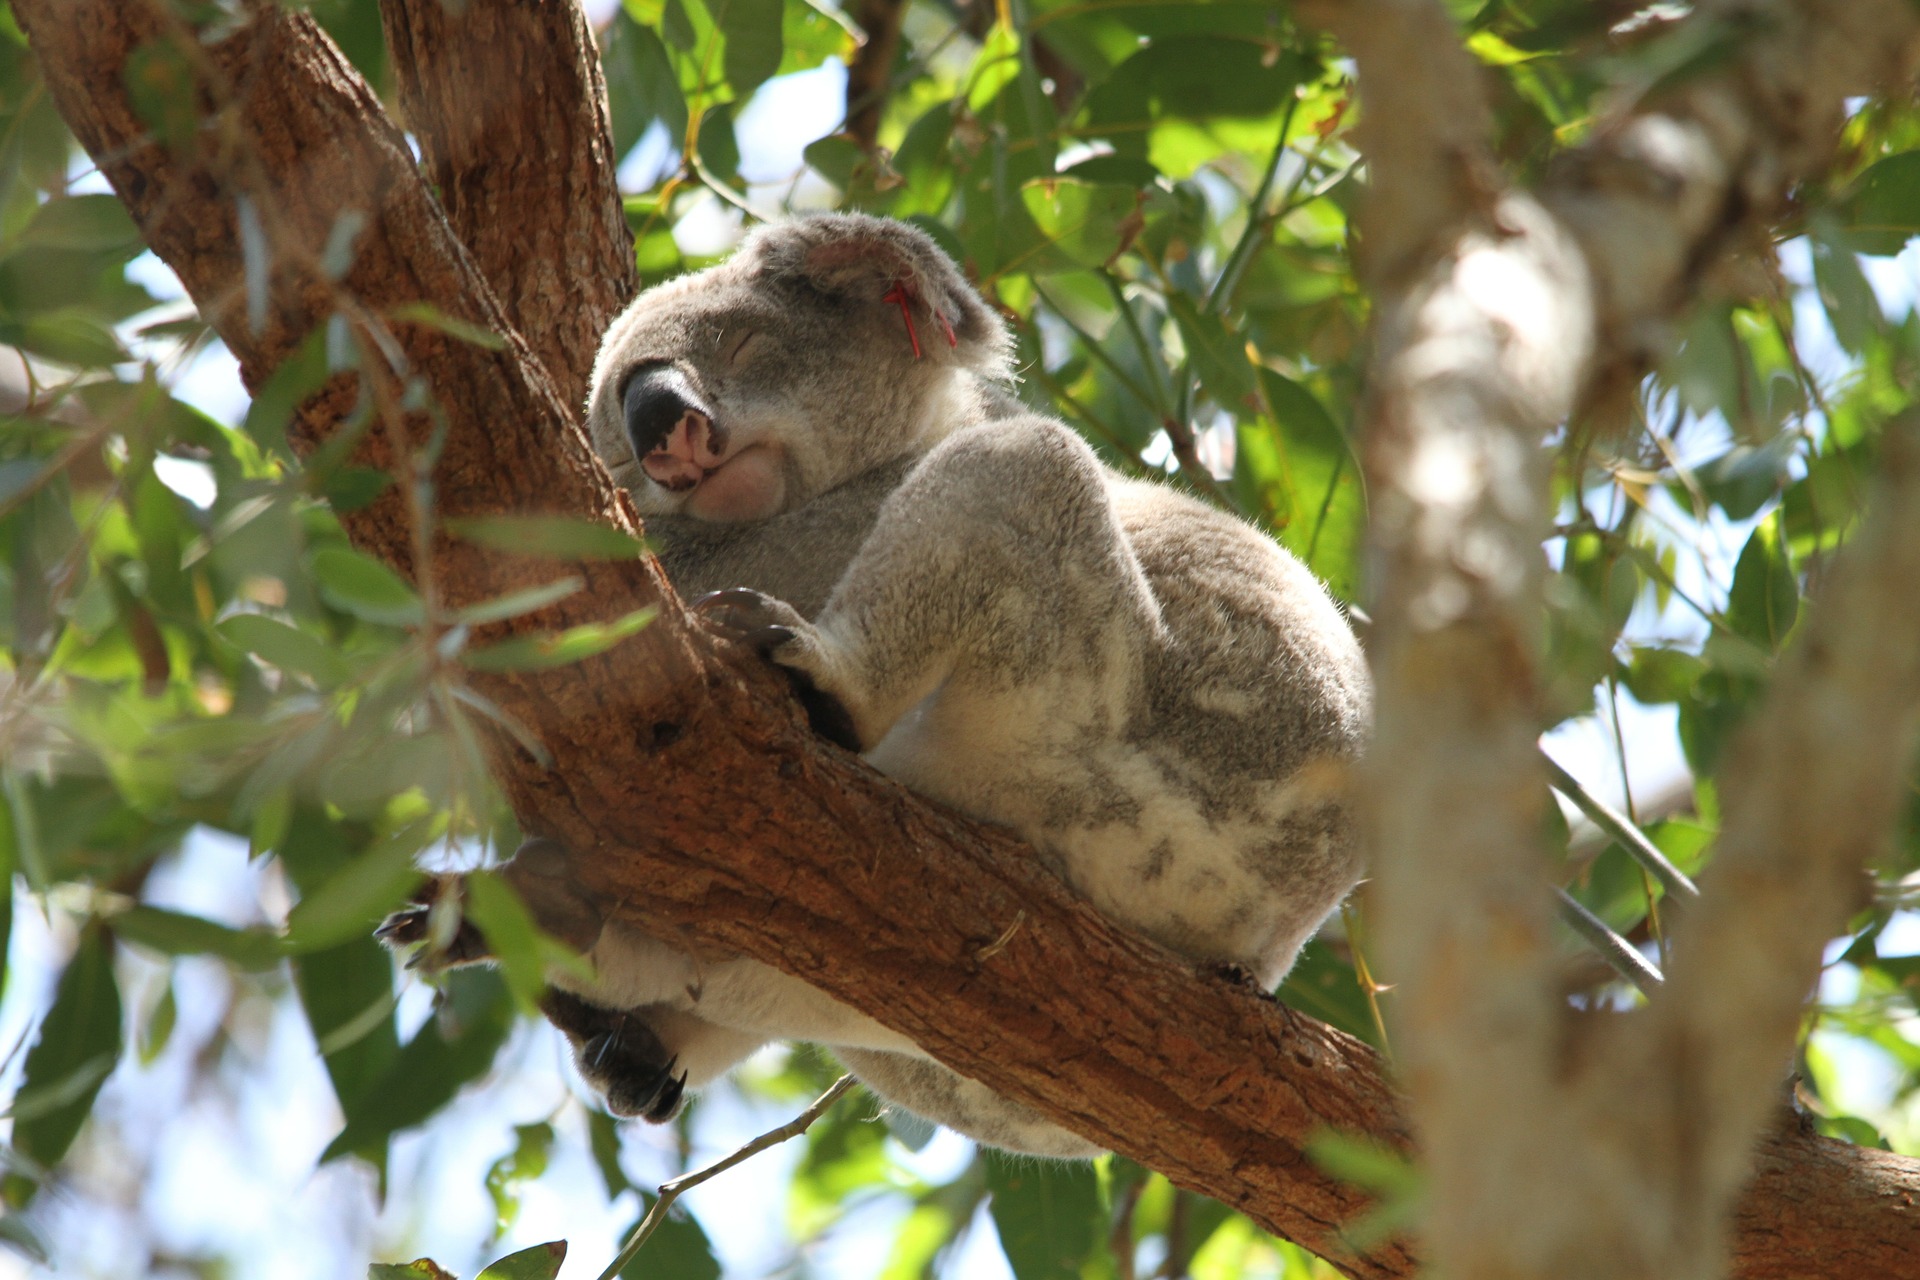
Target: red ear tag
point(898, 294)
point(947, 324)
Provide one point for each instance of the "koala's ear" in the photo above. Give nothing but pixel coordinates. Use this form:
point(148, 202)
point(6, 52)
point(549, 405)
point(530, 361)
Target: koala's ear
point(886, 263)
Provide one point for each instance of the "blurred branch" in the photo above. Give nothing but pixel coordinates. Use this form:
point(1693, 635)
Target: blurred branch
point(1500, 312)
point(870, 73)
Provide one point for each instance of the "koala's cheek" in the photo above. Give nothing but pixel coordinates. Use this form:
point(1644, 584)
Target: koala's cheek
point(751, 486)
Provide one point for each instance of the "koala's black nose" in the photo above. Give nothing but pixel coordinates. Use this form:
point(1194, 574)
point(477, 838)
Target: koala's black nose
point(654, 400)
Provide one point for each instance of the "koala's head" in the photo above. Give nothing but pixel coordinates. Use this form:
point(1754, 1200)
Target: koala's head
point(826, 346)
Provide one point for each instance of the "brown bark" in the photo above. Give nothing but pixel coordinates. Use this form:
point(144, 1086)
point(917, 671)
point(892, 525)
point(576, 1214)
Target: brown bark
point(683, 775)
point(508, 104)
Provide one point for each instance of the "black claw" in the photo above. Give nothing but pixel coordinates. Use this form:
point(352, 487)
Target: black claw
point(403, 928)
point(667, 1105)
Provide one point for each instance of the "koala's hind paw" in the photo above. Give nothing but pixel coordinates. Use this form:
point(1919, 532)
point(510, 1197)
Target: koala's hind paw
point(620, 1056)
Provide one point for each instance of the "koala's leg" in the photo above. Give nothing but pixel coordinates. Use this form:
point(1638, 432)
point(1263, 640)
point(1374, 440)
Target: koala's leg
point(998, 567)
point(965, 1106)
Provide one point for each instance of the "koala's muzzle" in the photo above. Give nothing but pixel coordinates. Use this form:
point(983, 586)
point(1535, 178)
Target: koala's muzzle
point(655, 402)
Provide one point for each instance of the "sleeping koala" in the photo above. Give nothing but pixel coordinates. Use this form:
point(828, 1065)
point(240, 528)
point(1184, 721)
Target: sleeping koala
point(1159, 699)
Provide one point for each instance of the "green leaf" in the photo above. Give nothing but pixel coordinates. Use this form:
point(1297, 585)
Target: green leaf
point(1765, 597)
point(175, 933)
point(1849, 300)
point(68, 336)
point(719, 149)
point(164, 92)
point(678, 1248)
point(93, 223)
point(556, 649)
point(642, 86)
point(1882, 211)
point(286, 647)
point(78, 1045)
point(347, 990)
point(362, 586)
point(159, 1026)
point(514, 603)
point(1218, 355)
point(511, 935)
point(555, 537)
point(456, 1045)
point(541, 1262)
point(418, 1269)
point(1323, 986)
point(299, 376)
point(359, 894)
point(752, 29)
point(1050, 1216)
point(428, 316)
point(525, 1163)
point(603, 1135)
point(1082, 219)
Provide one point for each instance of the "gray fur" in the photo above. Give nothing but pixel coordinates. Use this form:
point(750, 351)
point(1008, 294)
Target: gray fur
point(1156, 696)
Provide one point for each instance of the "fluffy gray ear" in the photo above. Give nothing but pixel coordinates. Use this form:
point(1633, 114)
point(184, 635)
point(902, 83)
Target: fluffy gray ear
point(891, 264)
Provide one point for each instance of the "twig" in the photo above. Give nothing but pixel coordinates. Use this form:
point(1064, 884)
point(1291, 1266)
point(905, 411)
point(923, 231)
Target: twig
point(1631, 838)
point(670, 1191)
point(1614, 949)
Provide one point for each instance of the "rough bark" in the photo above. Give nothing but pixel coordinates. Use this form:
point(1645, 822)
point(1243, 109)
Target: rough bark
point(684, 776)
point(1617, 1151)
point(509, 107)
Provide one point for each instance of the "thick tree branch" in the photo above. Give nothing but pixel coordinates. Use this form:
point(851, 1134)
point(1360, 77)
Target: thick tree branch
point(508, 104)
point(694, 794)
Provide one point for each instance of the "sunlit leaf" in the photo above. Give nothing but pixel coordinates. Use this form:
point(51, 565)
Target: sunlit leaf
point(364, 587)
point(1765, 598)
point(534, 652)
point(286, 647)
point(1082, 219)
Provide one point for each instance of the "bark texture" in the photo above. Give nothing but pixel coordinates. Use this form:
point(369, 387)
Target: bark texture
point(510, 110)
point(681, 772)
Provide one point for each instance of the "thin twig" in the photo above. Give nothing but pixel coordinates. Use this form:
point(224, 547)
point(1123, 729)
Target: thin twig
point(670, 1191)
point(1631, 838)
point(1614, 949)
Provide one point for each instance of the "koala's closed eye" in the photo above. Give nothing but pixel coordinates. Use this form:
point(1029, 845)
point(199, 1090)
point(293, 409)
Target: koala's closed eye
point(737, 345)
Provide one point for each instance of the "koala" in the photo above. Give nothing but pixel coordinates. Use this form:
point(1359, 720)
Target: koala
point(822, 438)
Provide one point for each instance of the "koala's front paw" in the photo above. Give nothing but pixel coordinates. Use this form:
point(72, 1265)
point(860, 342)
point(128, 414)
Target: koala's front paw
point(752, 617)
point(620, 1056)
point(777, 630)
point(413, 926)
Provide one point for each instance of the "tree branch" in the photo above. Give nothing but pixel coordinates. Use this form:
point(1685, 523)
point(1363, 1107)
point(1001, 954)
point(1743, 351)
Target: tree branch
point(510, 110)
point(681, 773)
